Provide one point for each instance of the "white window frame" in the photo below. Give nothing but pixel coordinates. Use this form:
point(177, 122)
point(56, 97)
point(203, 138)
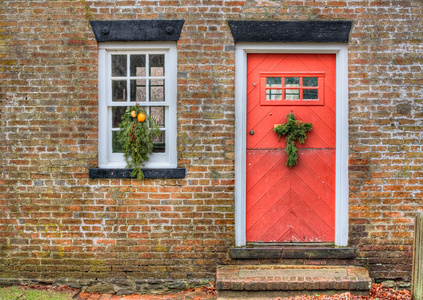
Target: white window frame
point(341, 179)
point(107, 159)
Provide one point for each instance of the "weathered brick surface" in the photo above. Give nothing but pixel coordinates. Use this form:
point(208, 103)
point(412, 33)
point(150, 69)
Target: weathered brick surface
point(293, 278)
point(56, 223)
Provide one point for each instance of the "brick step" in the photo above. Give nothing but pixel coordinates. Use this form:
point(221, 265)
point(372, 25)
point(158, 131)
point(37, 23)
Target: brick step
point(271, 281)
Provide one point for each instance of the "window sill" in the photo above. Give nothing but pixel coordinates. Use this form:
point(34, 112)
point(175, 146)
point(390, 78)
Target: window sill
point(164, 173)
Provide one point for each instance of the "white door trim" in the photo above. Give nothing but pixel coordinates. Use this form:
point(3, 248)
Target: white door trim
point(341, 185)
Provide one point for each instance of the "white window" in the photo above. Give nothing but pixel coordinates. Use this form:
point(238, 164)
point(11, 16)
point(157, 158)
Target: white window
point(143, 74)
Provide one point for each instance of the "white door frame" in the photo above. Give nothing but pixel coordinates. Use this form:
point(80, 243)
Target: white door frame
point(341, 181)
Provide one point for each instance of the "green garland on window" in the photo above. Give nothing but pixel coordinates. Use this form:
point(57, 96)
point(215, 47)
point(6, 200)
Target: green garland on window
point(295, 131)
point(137, 130)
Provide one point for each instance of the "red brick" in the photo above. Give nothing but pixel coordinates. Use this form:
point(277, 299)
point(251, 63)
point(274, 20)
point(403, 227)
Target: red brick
point(48, 58)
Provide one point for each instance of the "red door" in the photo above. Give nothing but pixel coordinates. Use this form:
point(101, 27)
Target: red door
point(290, 204)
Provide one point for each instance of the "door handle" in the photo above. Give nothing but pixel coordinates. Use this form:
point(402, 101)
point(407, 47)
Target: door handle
point(251, 132)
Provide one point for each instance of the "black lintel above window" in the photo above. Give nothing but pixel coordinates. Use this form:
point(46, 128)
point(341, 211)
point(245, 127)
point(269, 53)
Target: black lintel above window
point(292, 31)
point(137, 30)
point(165, 173)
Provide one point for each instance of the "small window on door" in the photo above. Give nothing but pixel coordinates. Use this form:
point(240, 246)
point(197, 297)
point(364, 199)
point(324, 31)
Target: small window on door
point(292, 88)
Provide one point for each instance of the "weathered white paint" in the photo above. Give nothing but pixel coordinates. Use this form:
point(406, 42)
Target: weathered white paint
point(107, 159)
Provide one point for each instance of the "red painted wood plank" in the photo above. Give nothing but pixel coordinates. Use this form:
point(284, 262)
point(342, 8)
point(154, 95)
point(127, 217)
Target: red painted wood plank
point(258, 225)
point(321, 170)
point(253, 157)
point(273, 172)
point(299, 229)
point(309, 218)
point(328, 158)
point(313, 200)
point(272, 202)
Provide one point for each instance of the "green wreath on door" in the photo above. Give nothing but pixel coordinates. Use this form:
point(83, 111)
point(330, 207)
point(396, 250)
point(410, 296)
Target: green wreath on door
point(294, 130)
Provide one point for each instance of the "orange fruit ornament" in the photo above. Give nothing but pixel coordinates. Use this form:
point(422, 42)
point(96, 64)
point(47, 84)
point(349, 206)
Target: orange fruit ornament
point(133, 113)
point(141, 117)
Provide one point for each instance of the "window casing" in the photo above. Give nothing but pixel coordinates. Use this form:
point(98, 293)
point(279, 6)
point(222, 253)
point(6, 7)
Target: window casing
point(142, 73)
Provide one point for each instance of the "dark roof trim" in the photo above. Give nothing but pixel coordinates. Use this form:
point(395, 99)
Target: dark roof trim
point(137, 30)
point(303, 31)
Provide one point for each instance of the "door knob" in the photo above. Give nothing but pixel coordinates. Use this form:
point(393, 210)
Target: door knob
point(252, 132)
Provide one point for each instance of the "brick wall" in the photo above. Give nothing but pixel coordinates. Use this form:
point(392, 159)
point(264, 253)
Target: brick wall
point(57, 223)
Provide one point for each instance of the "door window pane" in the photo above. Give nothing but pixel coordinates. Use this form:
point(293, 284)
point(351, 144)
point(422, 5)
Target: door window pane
point(291, 94)
point(273, 94)
point(138, 90)
point(118, 90)
point(118, 65)
point(292, 81)
point(157, 65)
point(274, 82)
point(310, 81)
point(137, 65)
point(310, 94)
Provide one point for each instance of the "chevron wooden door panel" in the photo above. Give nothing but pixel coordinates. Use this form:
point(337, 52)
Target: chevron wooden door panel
point(290, 204)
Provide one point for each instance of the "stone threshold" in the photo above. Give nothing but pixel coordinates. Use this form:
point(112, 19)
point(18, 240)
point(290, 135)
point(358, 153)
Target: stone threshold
point(291, 251)
point(261, 281)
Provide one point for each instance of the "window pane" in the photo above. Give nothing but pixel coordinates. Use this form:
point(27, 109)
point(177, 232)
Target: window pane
point(116, 146)
point(157, 90)
point(118, 90)
point(118, 65)
point(273, 82)
point(117, 113)
point(137, 64)
point(292, 81)
point(159, 145)
point(310, 81)
point(157, 65)
point(292, 94)
point(310, 94)
point(138, 90)
point(273, 94)
point(157, 113)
